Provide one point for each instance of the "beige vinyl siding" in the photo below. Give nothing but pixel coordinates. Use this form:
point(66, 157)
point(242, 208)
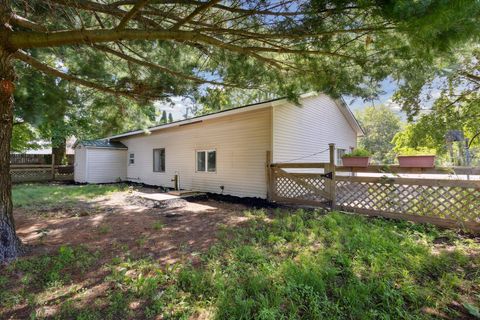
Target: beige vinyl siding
point(240, 141)
point(79, 165)
point(300, 131)
point(105, 165)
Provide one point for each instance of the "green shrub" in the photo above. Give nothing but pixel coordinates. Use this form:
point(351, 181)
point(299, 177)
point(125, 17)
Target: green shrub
point(358, 152)
point(420, 151)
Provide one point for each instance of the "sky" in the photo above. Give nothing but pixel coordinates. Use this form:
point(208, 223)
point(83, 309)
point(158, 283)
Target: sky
point(388, 88)
point(180, 106)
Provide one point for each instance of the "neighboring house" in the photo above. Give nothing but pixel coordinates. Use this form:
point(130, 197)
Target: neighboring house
point(223, 152)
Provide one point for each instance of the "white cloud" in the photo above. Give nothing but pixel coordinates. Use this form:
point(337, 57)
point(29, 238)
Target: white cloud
point(179, 107)
point(393, 105)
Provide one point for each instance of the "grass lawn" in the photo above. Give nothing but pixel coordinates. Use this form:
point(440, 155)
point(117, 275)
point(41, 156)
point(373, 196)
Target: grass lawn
point(278, 265)
point(28, 195)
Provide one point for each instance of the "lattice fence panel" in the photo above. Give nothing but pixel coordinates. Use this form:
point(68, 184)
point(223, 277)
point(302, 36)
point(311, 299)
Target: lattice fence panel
point(31, 175)
point(448, 202)
point(64, 173)
point(295, 187)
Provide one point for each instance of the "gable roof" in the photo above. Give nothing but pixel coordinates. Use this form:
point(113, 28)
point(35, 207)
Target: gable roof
point(101, 143)
point(249, 107)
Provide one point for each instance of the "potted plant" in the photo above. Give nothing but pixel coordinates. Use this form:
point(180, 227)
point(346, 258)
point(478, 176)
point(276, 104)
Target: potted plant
point(356, 158)
point(416, 158)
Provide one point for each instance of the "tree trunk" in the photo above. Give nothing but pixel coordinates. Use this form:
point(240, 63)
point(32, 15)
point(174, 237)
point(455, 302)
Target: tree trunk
point(10, 244)
point(59, 151)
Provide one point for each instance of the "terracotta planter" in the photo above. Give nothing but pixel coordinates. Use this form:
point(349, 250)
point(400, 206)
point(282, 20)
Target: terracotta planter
point(427, 161)
point(355, 161)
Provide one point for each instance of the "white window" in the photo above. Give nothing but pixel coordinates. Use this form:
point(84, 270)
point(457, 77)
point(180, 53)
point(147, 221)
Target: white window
point(340, 154)
point(159, 160)
point(131, 158)
point(206, 161)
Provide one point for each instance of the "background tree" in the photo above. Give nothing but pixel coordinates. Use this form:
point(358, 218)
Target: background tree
point(52, 109)
point(163, 119)
point(455, 106)
point(24, 137)
point(157, 49)
point(380, 125)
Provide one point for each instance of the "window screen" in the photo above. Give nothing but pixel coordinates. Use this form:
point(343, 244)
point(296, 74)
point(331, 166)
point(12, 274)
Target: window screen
point(131, 158)
point(212, 161)
point(201, 163)
point(159, 160)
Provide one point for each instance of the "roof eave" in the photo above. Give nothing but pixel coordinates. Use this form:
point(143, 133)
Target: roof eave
point(233, 111)
point(353, 120)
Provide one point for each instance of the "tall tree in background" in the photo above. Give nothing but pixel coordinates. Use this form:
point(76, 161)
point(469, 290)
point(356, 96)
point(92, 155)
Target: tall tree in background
point(380, 124)
point(163, 119)
point(158, 49)
point(455, 106)
point(52, 109)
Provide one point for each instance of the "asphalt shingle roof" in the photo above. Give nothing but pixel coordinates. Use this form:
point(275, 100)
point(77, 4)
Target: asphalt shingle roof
point(102, 143)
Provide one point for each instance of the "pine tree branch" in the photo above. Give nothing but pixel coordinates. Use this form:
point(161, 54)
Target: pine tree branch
point(302, 52)
point(25, 23)
point(137, 7)
point(195, 12)
point(471, 77)
point(106, 9)
point(266, 12)
point(162, 68)
point(22, 40)
point(23, 56)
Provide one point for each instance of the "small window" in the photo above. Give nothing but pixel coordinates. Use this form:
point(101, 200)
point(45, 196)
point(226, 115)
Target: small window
point(159, 160)
point(207, 161)
point(131, 158)
point(340, 154)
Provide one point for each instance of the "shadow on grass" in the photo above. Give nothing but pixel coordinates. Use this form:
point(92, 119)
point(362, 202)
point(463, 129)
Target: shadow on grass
point(295, 265)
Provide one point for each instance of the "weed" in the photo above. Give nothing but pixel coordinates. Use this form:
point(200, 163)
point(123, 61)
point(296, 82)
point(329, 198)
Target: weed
point(104, 229)
point(142, 241)
point(158, 225)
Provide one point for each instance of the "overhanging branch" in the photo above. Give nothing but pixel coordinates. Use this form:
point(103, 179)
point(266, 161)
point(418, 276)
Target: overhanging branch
point(161, 68)
point(25, 23)
point(21, 40)
point(23, 56)
point(200, 8)
point(138, 5)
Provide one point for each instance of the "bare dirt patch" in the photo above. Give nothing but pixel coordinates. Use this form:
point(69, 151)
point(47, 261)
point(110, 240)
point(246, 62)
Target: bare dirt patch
point(118, 225)
point(121, 223)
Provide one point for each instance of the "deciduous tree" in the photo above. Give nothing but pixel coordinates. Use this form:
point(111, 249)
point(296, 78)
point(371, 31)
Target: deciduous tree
point(380, 124)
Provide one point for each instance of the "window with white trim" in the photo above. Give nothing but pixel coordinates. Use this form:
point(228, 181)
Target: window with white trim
point(159, 160)
point(340, 154)
point(206, 161)
point(131, 158)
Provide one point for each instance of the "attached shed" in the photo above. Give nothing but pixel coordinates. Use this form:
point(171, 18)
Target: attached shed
point(100, 161)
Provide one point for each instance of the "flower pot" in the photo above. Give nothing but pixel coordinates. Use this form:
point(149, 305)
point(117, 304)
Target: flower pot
point(426, 161)
point(355, 161)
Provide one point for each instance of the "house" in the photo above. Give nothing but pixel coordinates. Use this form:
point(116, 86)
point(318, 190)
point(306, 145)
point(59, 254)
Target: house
point(224, 152)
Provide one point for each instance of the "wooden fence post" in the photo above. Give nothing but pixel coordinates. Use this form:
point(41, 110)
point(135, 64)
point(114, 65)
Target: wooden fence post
point(53, 166)
point(331, 182)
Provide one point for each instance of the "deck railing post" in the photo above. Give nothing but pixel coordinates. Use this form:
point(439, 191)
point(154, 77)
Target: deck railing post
point(332, 182)
point(269, 177)
point(53, 166)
